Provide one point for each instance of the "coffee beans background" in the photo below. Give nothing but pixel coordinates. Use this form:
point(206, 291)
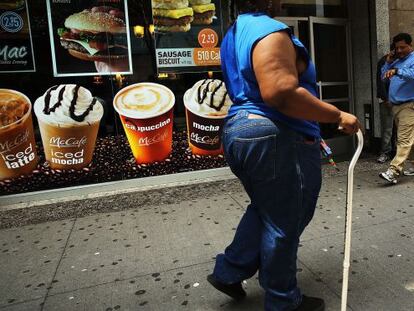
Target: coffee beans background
point(113, 160)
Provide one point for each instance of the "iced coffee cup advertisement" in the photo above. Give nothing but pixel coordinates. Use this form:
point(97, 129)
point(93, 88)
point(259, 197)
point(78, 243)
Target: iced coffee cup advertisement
point(89, 37)
point(16, 47)
point(17, 142)
point(68, 117)
point(188, 34)
point(206, 104)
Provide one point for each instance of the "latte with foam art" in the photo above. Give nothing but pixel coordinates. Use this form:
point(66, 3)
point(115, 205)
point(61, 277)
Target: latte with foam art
point(146, 111)
point(144, 100)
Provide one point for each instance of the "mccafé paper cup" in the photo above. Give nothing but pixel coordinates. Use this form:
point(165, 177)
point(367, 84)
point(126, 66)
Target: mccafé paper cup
point(17, 143)
point(146, 112)
point(207, 104)
point(69, 119)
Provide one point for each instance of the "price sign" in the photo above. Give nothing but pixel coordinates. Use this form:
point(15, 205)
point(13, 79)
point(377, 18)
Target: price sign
point(16, 47)
point(208, 38)
point(195, 47)
point(11, 22)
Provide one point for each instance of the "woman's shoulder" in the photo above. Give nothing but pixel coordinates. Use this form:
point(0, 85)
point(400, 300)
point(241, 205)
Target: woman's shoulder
point(256, 23)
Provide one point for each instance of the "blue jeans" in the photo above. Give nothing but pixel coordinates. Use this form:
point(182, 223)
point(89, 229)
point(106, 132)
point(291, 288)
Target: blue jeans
point(281, 172)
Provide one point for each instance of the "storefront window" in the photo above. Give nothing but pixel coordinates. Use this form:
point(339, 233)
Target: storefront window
point(106, 90)
point(103, 108)
point(319, 8)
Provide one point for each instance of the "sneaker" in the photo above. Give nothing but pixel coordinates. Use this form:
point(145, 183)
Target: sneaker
point(389, 176)
point(311, 304)
point(383, 158)
point(409, 172)
point(235, 290)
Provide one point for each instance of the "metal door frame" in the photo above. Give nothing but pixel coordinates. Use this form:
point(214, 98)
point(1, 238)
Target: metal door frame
point(336, 22)
point(342, 145)
point(292, 21)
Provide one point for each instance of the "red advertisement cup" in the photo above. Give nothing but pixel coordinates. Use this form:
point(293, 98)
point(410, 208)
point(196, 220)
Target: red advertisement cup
point(150, 139)
point(149, 136)
point(204, 132)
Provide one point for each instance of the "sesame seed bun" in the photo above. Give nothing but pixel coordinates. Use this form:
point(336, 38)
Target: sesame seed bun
point(95, 22)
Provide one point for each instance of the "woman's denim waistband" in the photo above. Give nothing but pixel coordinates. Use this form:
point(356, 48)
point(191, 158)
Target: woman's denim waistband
point(297, 136)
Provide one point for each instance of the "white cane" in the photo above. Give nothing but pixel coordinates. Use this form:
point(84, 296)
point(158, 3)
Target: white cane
point(348, 224)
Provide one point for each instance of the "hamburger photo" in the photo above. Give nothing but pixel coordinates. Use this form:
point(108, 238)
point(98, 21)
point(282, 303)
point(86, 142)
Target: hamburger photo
point(204, 11)
point(97, 34)
point(12, 5)
point(172, 15)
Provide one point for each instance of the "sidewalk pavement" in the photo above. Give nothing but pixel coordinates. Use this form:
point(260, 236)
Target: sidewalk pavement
point(156, 256)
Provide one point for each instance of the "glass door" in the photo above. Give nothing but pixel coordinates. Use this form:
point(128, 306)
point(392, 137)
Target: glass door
point(330, 51)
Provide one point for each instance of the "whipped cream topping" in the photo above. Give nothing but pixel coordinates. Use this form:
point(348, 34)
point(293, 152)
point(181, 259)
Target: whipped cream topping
point(209, 98)
point(68, 105)
point(144, 100)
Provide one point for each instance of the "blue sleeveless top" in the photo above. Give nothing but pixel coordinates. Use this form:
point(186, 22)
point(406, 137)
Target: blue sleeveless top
point(241, 83)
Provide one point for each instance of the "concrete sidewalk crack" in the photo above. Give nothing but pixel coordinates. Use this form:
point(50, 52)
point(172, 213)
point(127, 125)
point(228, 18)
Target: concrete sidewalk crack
point(58, 265)
point(237, 202)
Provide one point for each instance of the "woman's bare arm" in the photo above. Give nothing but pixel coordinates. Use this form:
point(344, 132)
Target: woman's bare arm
point(274, 64)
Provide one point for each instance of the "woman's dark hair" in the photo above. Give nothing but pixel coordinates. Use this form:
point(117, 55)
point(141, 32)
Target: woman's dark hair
point(402, 37)
point(242, 6)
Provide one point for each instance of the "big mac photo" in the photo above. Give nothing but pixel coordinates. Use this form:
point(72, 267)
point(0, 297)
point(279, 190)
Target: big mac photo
point(90, 37)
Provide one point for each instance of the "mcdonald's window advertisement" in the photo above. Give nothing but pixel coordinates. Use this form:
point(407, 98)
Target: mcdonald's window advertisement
point(187, 35)
point(58, 132)
point(89, 37)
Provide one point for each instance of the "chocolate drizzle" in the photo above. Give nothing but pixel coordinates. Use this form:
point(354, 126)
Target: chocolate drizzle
point(199, 92)
point(47, 109)
point(203, 96)
point(79, 118)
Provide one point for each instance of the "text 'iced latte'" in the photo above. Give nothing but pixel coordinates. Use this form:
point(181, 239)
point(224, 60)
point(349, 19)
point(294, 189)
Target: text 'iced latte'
point(146, 112)
point(17, 143)
point(69, 119)
point(207, 104)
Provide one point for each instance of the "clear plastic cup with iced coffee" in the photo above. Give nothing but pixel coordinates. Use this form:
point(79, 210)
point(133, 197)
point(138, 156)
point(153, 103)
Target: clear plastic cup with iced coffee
point(17, 142)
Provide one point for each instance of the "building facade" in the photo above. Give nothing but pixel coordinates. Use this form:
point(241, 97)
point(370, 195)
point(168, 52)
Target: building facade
point(401, 16)
point(345, 39)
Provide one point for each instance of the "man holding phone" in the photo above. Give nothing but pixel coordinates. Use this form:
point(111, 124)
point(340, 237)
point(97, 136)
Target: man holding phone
point(399, 71)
